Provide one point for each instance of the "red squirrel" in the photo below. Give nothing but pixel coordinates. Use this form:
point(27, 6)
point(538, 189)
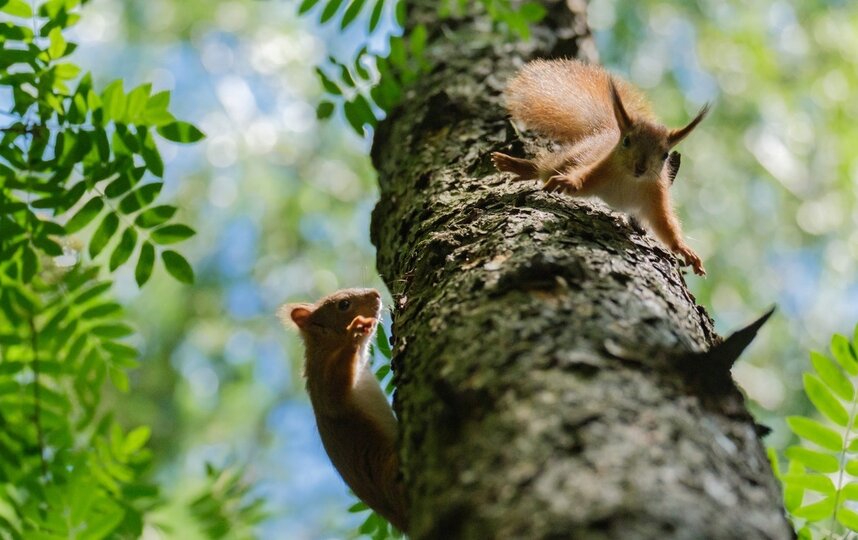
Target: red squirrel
point(614, 148)
point(355, 421)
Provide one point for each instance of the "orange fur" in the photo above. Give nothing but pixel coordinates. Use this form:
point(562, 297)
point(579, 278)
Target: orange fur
point(614, 149)
point(355, 422)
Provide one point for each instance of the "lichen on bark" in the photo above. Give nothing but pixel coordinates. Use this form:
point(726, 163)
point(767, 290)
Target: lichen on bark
point(537, 336)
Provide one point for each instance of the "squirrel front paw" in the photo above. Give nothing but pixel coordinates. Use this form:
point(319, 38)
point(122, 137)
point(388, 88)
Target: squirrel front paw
point(562, 183)
point(361, 326)
point(691, 259)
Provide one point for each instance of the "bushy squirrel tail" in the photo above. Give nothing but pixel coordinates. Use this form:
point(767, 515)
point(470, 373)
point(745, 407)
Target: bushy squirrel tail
point(568, 100)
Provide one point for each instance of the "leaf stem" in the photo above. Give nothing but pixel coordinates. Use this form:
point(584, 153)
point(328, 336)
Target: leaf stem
point(842, 462)
point(37, 398)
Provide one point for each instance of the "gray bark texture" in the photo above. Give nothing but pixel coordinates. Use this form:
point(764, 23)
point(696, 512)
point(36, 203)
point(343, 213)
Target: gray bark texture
point(556, 379)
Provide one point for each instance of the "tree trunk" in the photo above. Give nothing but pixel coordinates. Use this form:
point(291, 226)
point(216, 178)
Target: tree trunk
point(548, 385)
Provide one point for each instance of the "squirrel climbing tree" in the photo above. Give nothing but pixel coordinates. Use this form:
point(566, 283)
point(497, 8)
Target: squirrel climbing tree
point(546, 353)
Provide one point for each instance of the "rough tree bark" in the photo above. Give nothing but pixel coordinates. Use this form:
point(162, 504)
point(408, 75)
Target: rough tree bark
point(544, 350)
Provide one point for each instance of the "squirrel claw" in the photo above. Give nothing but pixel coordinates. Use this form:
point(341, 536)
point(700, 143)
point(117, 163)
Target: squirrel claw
point(502, 162)
point(560, 183)
point(691, 259)
point(361, 326)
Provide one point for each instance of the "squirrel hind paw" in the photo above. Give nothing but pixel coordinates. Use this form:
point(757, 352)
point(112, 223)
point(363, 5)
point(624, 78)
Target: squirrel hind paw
point(523, 168)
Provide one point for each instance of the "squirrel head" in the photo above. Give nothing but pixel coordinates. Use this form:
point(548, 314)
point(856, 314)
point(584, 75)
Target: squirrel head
point(346, 316)
point(644, 147)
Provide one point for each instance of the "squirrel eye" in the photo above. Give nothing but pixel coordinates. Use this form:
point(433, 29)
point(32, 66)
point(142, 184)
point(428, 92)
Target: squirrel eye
point(626, 141)
point(664, 157)
point(344, 305)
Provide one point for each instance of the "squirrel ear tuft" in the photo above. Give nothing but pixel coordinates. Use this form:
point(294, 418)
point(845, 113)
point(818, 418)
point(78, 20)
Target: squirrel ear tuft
point(624, 122)
point(676, 135)
point(295, 315)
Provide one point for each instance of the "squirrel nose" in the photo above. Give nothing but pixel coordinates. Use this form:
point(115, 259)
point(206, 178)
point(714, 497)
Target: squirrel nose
point(640, 168)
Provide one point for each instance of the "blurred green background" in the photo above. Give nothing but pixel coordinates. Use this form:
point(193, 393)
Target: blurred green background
point(282, 204)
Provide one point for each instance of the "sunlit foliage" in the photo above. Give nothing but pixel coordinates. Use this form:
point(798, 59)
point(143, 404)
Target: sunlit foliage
point(80, 172)
point(821, 480)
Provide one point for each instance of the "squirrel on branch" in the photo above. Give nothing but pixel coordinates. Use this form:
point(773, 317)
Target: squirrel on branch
point(613, 147)
point(355, 421)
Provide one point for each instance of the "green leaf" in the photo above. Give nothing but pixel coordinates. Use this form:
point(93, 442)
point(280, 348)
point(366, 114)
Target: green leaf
point(852, 467)
point(359, 113)
point(170, 234)
point(398, 56)
point(177, 266)
point(399, 10)
point(847, 518)
point(817, 511)
point(358, 64)
point(329, 85)
point(48, 246)
point(57, 45)
point(324, 110)
point(156, 113)
point(855, 336)
point(181, 132)
point(124, 249)
point(813, 431)
point(135, 440)
point(793, 495)
point(417, 41)
point(346, 77)
point(66, 71)
point(29, 264)
point(375, 16)
point(86, 214)
point(532, 12)
point(832, 375)
point(387, 92)
point(818, 461)
point(382, 343)
point(850, 491)
point(359, 506)
point(120, 354)
point(824, 400)
point(330, 9)
point(306, 6)
point(382, 372)
point(118, 187)
point(14, 32)
point(136, 104)
point(772, 454)
point(115, 101)
point(351, 13)
point(120, 379)
point(144, 264)
point(112, 330)
point(369, 525)
point(140, 197)
point(101, 525)
point(155, 216)
point(103, 234)
point(101, 311)
point(151, 156)
point(93, 292)
point(18, 8)
point(843, 353)
point(814, 482)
